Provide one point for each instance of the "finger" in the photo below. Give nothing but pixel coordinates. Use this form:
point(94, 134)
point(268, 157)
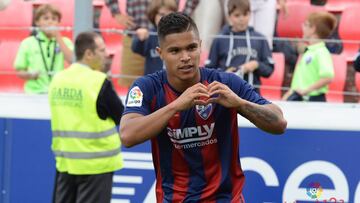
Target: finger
point(218, 92)
point(216, 86)
point(212, 85)
point(202, 96)
point(201, 89)
point(213, 100)
point(200, 102)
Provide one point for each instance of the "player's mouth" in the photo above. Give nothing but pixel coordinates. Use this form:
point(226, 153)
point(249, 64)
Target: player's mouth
point(186, 68)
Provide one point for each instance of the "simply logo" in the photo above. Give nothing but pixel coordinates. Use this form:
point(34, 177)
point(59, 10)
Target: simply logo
point(314, 190)
point(135, 97)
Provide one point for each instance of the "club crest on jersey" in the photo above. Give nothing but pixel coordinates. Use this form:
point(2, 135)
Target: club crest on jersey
point(135, 97)
point(204, 111)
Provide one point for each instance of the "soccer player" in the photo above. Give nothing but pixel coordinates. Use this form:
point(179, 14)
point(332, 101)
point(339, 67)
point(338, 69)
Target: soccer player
point(190, 115)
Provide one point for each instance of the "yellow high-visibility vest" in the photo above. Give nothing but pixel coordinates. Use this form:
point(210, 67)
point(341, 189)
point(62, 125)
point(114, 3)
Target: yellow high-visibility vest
point(82, 142)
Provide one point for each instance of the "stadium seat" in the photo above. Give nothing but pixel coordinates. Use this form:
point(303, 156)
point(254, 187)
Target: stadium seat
point(349, 30)
point(291, 25)
point(337, 6)
point(271, 87)
point(336, 87)
point(109, 30)
point(15, 27)
point(9, 82)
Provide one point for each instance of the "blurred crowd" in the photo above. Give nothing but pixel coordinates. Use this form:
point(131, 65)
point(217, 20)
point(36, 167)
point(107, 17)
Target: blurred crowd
point(238, 37)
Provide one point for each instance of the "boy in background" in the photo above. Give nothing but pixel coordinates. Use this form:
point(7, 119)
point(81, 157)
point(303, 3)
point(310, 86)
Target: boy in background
point(315, 70)
point(144, 42)
point(42, 55)
point(243, 50)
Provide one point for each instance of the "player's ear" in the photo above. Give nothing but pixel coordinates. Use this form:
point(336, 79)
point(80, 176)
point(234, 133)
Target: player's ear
point(159, 51)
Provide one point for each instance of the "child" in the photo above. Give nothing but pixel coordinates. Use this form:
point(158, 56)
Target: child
point(43, 54)
point(145, 44)
point(250, 57)
point(315, 70)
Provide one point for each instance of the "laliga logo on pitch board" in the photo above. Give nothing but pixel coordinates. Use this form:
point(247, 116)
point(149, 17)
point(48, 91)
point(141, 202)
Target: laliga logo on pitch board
point(314, 190)
point(135, 97)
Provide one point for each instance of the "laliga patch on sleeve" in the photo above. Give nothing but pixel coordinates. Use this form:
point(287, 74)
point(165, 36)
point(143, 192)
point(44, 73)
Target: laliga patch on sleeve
point(135, 97)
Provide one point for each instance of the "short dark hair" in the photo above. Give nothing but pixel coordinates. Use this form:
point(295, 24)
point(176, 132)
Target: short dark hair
point(242, 5)
point(176, 22)
point(84, 41)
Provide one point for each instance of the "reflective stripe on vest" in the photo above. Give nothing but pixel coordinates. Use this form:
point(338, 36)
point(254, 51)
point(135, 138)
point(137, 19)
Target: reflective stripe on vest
point(76, 134)
point(87, 155)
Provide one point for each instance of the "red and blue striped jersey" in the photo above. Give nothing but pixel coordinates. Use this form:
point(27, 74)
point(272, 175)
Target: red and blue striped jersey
point(196, 156)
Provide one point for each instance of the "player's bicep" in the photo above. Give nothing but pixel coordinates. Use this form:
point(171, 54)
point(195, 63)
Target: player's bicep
point(127, 118)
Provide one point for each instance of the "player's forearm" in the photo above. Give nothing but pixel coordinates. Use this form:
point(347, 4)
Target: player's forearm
point(267, 117)
point(140, 129)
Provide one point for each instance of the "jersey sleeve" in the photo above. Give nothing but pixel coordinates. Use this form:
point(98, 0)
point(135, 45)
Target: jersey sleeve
point(243, 89)
point(139, 97)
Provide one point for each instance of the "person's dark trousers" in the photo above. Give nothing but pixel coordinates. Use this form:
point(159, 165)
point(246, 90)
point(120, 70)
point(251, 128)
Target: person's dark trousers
point(318, 98)
point(82, 188)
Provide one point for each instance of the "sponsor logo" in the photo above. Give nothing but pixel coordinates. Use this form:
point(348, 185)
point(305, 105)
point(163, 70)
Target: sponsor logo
point(135, 97)
point(191, 134)
point(204, 111)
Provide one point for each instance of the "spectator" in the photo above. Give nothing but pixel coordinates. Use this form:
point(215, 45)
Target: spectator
point(238, 52)
point(42, 55)
point(145, 44)
point(190, 115)
point(133, 64)
point(315, 70)
point(263, 17)
point(84, 113)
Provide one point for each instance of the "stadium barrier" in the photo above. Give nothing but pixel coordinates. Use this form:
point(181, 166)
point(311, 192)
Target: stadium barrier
point(314, 160)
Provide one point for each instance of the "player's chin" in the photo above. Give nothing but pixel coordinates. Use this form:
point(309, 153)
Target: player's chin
point(188, 72)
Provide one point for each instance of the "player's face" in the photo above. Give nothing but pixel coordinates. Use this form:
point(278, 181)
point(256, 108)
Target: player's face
point(181, 55)
point(239, 20)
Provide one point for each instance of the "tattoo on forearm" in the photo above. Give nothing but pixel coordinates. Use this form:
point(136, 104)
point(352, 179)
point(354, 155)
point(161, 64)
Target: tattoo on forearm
point(259, 113)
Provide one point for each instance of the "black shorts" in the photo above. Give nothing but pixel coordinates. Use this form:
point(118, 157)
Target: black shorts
point(82, 188)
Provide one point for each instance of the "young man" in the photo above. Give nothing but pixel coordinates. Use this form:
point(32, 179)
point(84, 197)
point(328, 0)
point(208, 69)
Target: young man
point(84, 113)
point(190, 115)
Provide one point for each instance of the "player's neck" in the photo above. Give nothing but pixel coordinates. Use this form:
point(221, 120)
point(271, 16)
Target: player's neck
point(182, 85)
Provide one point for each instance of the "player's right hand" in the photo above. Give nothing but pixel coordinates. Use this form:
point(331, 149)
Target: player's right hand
point(194, 95)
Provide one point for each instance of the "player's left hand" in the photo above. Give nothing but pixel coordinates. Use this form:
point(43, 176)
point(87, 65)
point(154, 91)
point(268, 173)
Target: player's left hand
point(222, 94)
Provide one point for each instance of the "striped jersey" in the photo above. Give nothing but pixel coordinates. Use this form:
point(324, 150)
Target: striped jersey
point(196, 156)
